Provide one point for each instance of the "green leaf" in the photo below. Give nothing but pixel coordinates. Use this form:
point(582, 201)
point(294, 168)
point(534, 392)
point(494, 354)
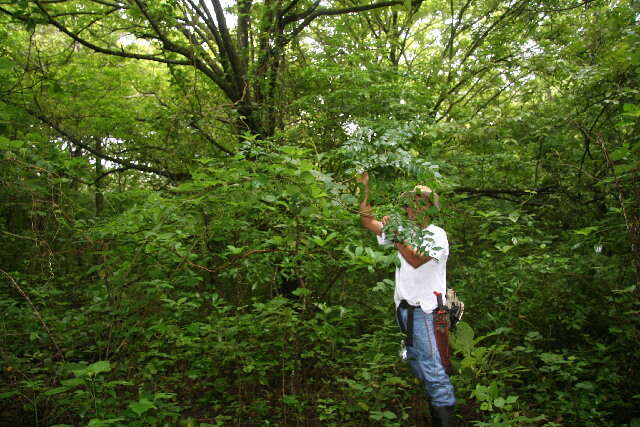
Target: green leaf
point(620, 153)
point(627, 290)
point(97, 422)
point(504, 249)
point(8, 144)
point(586, 231)
point(73, 381)
point(462, 339)
point(301, 292)
point(622, 169)
point(291, 400)
point(377, 416)
point(631, 110)
point(141, 406)
point(55, 391)
point(6, 63)
point(234, 250)
point(389, 415)
point(98, 367)
point(552, 358)
point(164, 396)
point(7, 394)
point(586, 385)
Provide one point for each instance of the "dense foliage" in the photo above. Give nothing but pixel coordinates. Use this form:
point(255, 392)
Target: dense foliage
point(178, 208)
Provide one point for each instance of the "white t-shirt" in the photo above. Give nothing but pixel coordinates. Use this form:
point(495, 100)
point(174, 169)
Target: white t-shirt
point(416, 285)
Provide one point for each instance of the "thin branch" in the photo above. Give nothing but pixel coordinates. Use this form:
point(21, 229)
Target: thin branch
point(293, 18)
point(329, 12)
point(186, 31)
point(102, 2)
point(109, 172)
point(478, 41)
point(76, 141)
point(184, 51)
point(502, 193)
point(562, 9)
point(58, 15)
point(231, 262)
point(56, 174)
point(35, 311)
point(332, 282)
point(209, 22)
point(210, 138)
point(121, 53)
point(310, 16)
point(290, 7)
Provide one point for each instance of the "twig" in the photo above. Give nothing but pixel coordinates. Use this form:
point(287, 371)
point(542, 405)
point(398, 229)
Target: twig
point(35, 310)
point(231, 262)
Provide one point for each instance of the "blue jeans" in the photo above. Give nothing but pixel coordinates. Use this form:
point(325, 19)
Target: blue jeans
point(424, 359)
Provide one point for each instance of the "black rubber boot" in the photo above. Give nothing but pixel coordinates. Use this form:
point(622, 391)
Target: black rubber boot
point(443, 416)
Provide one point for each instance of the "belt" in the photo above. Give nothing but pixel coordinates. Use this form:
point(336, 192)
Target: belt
point(408, 330)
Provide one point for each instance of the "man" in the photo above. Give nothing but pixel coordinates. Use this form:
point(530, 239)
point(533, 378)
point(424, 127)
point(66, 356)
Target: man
point(422, 271)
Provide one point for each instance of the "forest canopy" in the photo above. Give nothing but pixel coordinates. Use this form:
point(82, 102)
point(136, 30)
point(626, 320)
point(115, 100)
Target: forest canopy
point(179, 208)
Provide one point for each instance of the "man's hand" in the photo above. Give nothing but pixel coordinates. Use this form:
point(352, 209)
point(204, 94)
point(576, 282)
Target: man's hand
point(364, 179)
point(391, 232)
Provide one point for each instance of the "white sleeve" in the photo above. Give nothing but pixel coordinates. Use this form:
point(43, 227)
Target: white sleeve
point(382, 239)
point(435, 244)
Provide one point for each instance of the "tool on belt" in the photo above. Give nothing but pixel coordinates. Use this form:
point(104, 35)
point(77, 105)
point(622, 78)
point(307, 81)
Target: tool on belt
point(445, 317)
point(442, 324)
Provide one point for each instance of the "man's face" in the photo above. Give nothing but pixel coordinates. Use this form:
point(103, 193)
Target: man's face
point(417, 206)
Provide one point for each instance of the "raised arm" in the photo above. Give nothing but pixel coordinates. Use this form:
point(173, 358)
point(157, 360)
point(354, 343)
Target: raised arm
point(367, 219)
point(414, 258)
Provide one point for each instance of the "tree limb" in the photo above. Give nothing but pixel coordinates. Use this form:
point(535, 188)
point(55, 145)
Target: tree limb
point(109, 172)
point(313, 13)
point(122, 53)
point(35, 311)
point(231, 262)
point(229, 48)
point(502, 193)
point(562, 9)
point(176, 176)
point(210, 138)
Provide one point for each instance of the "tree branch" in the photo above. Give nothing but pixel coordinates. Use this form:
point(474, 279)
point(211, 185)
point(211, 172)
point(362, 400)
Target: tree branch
point(244, 22)
point(35, 311)
point(92, 46)
point(562, 9)
point(203, 13)
point(313, 13)
point(210, 138)
point(109, 172)
point(176, 176)
point(228, 45)
point(502, 193)
point(231, 262)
